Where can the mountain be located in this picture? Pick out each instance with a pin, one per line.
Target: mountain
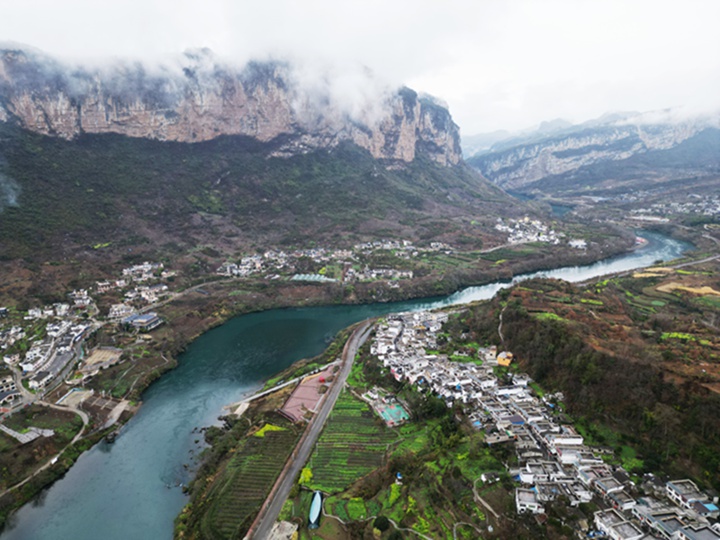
(122, 161)
(577, 158)
(203, 98)
(231, 192)
(483, 142)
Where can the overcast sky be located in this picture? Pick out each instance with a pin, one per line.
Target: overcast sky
(498, 64)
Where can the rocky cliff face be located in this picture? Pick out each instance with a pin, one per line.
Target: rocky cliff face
(517, 165)
(203, 99)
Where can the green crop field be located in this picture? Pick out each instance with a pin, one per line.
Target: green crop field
(352, 445)
(249, 476)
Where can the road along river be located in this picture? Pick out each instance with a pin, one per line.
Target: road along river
(131, 489)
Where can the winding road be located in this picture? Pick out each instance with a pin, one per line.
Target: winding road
(261, 528)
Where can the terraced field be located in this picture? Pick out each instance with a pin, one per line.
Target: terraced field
(250, 475)
(353, 444)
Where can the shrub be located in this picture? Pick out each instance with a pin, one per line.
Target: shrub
(381, 523)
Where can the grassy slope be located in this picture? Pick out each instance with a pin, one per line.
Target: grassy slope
(108, 188)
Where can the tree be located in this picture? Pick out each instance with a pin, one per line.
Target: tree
(306, 476)
(381, 523)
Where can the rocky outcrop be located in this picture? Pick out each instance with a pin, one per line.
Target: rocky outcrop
(518, 165)
(203, 99)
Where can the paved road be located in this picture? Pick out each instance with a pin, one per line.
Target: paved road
(271, 509)
(175, 295)
(701, 261)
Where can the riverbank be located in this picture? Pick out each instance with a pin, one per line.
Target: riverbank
(193, 316)
(210, 305)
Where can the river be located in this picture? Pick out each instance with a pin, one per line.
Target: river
(130, 489)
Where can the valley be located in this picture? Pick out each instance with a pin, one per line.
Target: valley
(539, 343)
(542, 432)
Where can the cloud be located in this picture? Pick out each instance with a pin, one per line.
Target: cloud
(350, 89)
(498, 64)
(322, 92)
(677, 115)
(9, 192)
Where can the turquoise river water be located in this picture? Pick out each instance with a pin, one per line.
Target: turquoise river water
(130, 489)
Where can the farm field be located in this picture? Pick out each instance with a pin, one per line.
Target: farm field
(353, 444)
(247, 480)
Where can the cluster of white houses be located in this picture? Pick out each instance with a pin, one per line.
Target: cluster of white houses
(695, 204)
(135, 298)
(370, 274)
(8, 389)
(51, 354)
(47, 358)
(138, 292)
(553, 460)
(11, 335)
(278, 260)
(524, 230)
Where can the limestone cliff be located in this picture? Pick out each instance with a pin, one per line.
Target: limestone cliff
(203, 99)
(518, 164)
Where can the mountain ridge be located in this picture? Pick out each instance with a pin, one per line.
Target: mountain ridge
(206, 99)
(521, 164)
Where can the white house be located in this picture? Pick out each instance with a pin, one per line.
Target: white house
(526, 501)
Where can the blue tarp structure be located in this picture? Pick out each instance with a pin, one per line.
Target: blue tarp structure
(315, 508)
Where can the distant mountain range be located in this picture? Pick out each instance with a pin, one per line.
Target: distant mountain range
(572, 159)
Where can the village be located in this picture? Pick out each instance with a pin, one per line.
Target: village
(46, 346)
(528, 230)
(695, 204)
(347, 260)
(344, 265)
(553, 463)
(57, 331)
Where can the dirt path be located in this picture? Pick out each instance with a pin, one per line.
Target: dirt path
(483, 501)
(52, 461)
